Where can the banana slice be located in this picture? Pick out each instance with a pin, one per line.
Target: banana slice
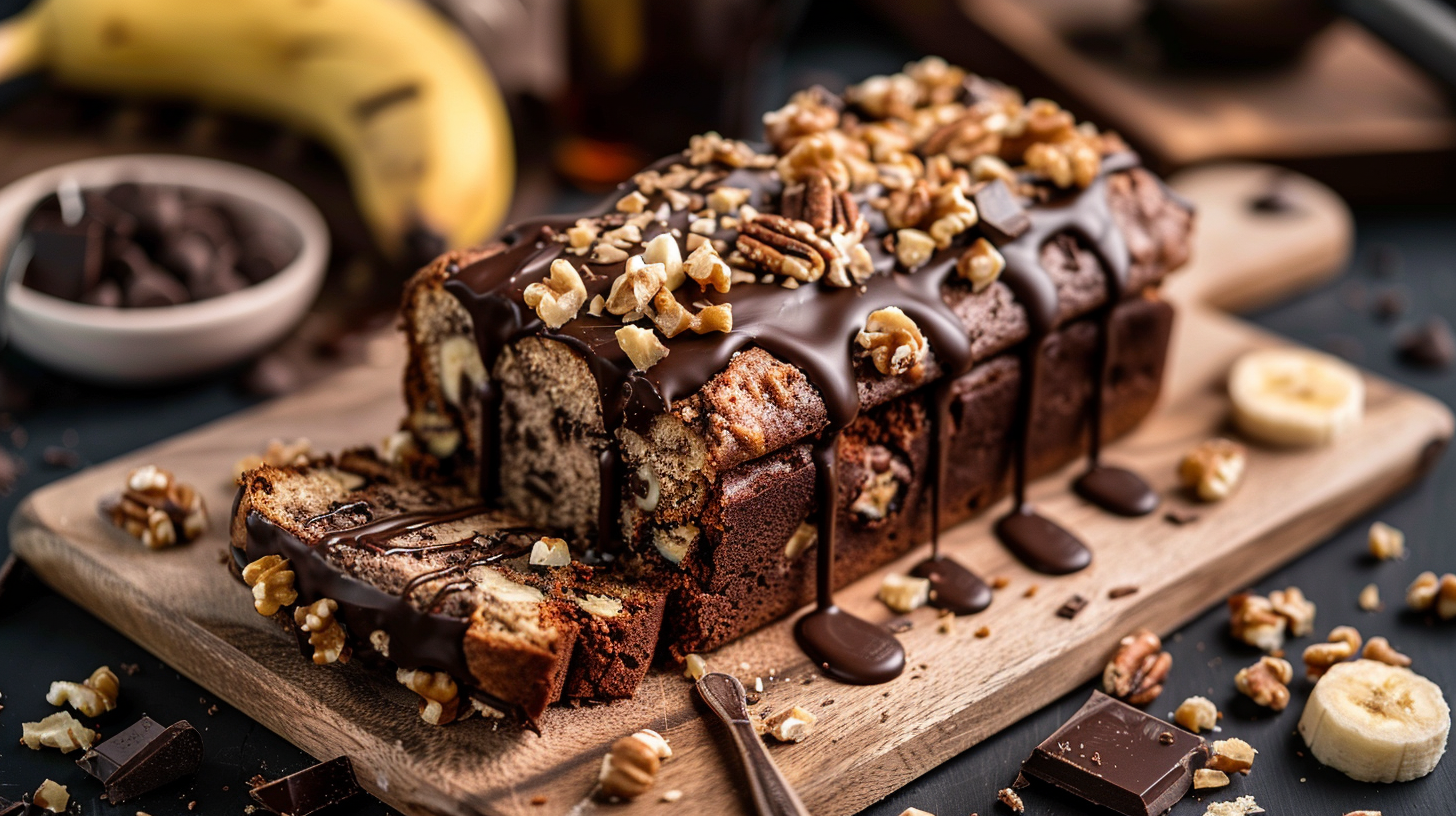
(1376, 723)
(1289, 396)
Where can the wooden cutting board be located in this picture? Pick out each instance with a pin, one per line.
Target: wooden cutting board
(183, 606)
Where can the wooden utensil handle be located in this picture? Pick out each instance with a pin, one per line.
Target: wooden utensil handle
(772, 793)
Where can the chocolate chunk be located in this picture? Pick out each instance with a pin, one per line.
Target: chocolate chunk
(310, 790)
(1154, 766)
(1074, 605)
(144, 757)
(151, 287)
(1002, 216)
(65, 259)
(1429, 346)
(1121, 592)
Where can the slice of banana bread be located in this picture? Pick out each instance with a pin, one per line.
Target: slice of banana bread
(425, 576)
(928, 257)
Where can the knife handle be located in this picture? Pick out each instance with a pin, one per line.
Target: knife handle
(772, 793)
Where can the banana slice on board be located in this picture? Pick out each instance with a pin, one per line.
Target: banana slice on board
(1295, 397)
(1375, 722)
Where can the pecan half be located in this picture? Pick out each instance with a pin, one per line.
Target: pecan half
(786, 246)
(1138, 669)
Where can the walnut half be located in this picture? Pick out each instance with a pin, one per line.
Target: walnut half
(93, 697)
(59, 730)
(439, 696)
(325, 633)
(894, 342)
(1138, 668)
(272, 583)
(1266, 682)
(630, 767)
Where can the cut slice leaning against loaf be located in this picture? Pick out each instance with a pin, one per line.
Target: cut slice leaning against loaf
(423, 576)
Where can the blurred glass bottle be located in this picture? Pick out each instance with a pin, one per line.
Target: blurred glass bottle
(648, 74)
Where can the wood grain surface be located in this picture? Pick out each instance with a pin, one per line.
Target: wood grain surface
(182, 605)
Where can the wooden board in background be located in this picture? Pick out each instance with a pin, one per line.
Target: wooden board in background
(183, 606)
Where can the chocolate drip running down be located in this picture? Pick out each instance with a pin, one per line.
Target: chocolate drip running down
(813, 328)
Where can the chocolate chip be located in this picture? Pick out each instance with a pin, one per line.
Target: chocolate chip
(65, 260)
(1121, 592)
(1431, 345)
(1002, 216)
(1072, 607)
(1180, 516)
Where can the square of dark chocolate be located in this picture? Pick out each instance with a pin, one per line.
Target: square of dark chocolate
(65, 259)
(144, 757)
(1119, 757)
(311, 790)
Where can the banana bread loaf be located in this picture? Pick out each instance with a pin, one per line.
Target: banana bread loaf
(653, 378)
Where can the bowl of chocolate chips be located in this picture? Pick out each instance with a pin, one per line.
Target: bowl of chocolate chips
(144, 268)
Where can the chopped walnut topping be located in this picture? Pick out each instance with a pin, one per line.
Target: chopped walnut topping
(642, 346)
(706, 267)
(954, 214)
(725, 200)
(710, 147)
(579, 238)
(1266, 682)
(1197, 714)
(633, 202)
(809, 111)
(325, 633)
(633, 290)
(558, 298)
(1252, 619)
(631, 766)
(913, 248)
(1386, 542)
(1378, 648)
(272, 584)
(1213, 468)
(605, 253)
(664, 250)
(895, 343)
(1296, 609)
(1137, 670)
(991, 168)
(1231, 756)
(981, 264)
(623, 237)
(839, 158)
(791, 725)
(93, 697)
(1342, 644)
(672, 318)
(59, 730)
(439, 696)
(883, 97)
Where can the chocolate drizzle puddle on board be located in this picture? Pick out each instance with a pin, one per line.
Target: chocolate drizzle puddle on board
(813, 327)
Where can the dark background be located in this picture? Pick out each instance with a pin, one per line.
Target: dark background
(45, 638)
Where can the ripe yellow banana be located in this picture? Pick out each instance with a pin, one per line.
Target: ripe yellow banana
(390, 86)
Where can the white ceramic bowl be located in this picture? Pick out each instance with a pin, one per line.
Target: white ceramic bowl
(135, 346)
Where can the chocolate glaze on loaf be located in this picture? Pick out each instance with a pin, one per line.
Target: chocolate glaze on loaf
(778, 393)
